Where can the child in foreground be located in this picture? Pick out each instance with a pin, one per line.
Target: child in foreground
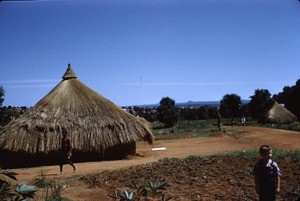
(266, 175)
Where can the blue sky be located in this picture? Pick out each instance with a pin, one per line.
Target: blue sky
(136, 52)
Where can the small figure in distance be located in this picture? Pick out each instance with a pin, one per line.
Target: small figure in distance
(243, 120)
(219, 123)
(232, 122)
(66, 151)
(266, 175)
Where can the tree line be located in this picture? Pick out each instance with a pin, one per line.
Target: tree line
(167, 113)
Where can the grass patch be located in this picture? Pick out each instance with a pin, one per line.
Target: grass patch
(248, 153)
(294, 126)
(231, 131)
(207, 128)
(191, 129)
(277, 154)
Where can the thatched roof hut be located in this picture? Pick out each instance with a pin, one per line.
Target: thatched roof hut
(278, 114)
(96, 125)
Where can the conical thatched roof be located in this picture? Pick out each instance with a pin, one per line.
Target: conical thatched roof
(279, 115)
(93, 122)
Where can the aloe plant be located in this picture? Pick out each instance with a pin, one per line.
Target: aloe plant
(22, 191)
(140, 189)
(25, 191)
(126, 195)
(9, 174)
(6, 191)
(157, 185)
(114, 195)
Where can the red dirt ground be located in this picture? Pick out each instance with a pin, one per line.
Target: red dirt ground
(226, 178)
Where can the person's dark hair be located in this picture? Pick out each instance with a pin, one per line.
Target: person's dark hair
(64, 132)
(264, 148)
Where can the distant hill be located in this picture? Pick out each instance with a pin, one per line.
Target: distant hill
(198, 103)
(203, 103)
(191, 104)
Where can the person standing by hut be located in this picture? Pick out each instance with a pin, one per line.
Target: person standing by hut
(66, 151)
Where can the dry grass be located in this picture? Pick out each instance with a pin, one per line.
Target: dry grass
(279, 115)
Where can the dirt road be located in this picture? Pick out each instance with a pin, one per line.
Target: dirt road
(250, 138)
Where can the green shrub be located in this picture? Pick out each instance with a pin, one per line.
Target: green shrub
(42, 182)
(53, 192)
(295, 126)
(19, 192)
(51, 187)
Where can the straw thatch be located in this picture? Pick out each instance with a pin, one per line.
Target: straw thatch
(94, 123)
(278, 114)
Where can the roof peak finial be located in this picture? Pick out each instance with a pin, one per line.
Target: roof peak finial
(69, 74)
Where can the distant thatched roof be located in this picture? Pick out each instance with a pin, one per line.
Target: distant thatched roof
(93, 122)
(279, 114)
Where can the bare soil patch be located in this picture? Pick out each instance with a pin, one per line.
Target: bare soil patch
(197, 178)
(227, 178)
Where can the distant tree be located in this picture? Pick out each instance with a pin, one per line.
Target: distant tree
(146, 112)
(260, 102)
(230, 105)
(203, 112)
(198, 113)
(293, 99)
(245, 110)
(283, 96)
(8, 113)
(2, 94)
(212, 112)
(189, 113)
(167, 112)
(290, 97)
